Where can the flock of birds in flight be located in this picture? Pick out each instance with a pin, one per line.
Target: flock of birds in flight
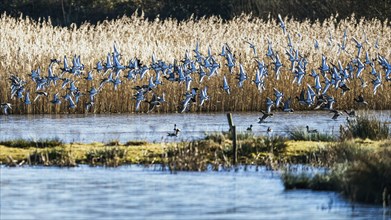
(115, 73)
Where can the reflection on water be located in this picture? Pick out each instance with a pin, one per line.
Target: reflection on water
(154, 127)
(133, 192)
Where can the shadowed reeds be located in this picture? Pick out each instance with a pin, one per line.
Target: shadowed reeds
(52, 157)
(360, 173)
(109, 156)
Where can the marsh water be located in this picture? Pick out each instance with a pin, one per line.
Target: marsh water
(154, 127)
(135, 192)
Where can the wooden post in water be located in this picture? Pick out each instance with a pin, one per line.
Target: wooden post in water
(230, 122)
(232, 129)
(234, 146)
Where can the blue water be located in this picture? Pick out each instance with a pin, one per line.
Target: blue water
(134, 192)
(154, 127)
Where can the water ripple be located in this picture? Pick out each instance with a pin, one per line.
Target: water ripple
(133, 192)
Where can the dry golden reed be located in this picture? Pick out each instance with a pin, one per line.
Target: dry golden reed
(26, 45)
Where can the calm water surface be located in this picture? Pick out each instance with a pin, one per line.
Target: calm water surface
(133, 192)
(154, 127)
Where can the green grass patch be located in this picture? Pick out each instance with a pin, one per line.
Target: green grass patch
(26, 143)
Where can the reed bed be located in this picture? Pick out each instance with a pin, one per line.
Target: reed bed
(109, 156)
(26, 143)
(353, 167)
(359, 172)
(215, 153)
(52, 157)
(364, 126)
(300, 134)
(31, 44)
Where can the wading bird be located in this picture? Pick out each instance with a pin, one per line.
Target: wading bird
(311, 131)
(175, 133)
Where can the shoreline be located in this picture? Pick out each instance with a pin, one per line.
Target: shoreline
(349, 164)
(144, 153)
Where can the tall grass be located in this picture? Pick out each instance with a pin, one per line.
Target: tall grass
(31, 44)
(364, 126)
(52, 157)
(361, 173)
(215, 152)
(197, 156)
(338, 152)
(298, 133)
(109, 156)
(369, 178)
(25, 143)
(317, 181)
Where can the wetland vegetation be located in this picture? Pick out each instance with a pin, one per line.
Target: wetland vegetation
(347, 55)
(308, 64)
(351, 163)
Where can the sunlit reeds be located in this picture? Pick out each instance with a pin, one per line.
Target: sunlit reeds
(28, 45)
